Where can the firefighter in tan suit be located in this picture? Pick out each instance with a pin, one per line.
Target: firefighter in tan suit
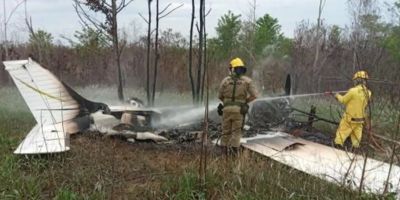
(235, 91)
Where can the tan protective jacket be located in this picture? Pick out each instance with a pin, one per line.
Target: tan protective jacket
(244, 90)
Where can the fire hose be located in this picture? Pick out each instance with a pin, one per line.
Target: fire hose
(337, 123)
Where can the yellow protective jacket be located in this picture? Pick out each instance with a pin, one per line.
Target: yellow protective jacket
(355, 100)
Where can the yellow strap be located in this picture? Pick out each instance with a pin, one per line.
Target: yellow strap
(38, 91)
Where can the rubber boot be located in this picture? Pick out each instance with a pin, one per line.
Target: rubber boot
(338, 146)
(220, 150)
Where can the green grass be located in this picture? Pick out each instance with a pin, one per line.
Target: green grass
(326, 108)
(252, 177)
(103, 168)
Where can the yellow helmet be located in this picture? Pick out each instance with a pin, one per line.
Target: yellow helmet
(237, 62)
(360, 74)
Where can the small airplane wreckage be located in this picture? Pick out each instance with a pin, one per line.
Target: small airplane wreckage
(59, 112)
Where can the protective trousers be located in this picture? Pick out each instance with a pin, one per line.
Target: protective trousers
(348, 128)
(232, 124)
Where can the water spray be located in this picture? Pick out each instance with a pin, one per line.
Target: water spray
(295, 96)
(189, 114)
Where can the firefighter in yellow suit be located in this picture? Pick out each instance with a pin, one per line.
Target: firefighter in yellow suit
(353, 119)
(236, 91)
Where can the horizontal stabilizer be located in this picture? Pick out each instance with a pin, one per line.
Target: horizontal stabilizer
(44, 139)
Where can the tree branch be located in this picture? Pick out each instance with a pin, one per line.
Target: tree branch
(141, 16)
(123, 4)
(208, 12)
(171, 11)
(12, 12)
(80, 11)
(107, 4)
(85, 18)
(30, 27)
(166, 7)
(197, 27)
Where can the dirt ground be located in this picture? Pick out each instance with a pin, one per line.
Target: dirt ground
(144, 170)
(124, 169)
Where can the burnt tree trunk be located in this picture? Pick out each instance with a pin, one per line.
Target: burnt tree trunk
(116, 47)
(204, 50)
(148, 54)
(155, 54)
(191, 53)
(315, 69)
(200, 55)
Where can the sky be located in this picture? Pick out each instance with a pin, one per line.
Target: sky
(59, 18)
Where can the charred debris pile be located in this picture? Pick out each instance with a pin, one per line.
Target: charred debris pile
(264, 117)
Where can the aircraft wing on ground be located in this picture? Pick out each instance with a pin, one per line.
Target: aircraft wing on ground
(334, 165)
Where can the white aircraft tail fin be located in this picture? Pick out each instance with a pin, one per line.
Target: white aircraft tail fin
(57, 109)
(46, 97)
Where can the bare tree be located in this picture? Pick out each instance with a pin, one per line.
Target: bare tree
(316, 69)
(110, 9)
(159, 15)
(204, 149)
(156, 56)
(205, 58)
(367, 30)
(191, 52)
(148, 21)
(249, 29)
(200, 63)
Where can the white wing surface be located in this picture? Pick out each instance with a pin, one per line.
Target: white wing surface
(336, 166)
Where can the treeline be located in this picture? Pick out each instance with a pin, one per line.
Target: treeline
(369, 43)
(88, 60)
(320, 57)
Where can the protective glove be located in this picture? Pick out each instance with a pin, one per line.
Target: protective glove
(220, 107)
(244, 109)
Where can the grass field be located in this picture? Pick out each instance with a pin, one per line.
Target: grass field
(106, 168)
